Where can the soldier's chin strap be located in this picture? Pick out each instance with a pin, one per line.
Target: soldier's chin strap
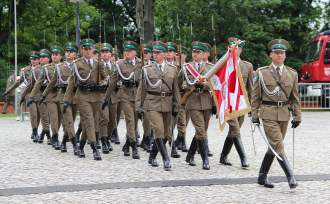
(266, 141)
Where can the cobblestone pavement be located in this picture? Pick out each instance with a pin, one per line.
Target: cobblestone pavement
(25, 164)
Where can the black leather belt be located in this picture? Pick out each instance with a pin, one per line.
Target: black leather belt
(162, 94)
(273, 103)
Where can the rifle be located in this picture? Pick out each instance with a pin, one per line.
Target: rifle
(114, 28)
(180, 45)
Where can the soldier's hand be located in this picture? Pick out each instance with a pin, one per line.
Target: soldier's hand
(29, 102)
(255, 121)
(65, 105)
(105, 104)
(295, 123)
(5, 94)
(42, 99)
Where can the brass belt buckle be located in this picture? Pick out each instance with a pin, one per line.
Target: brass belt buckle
(280, 103)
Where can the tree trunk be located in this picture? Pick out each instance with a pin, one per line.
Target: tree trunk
(145, 19)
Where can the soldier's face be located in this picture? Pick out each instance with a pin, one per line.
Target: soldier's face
(88, 52)
(70, 55)
(34, 61)
(106, 55)
(278, 57)
(130, 54)
(147, 56)
(56, 57)
(197, 55)
(170, 55)
(44, 60)
(158, 56)
(206, 56)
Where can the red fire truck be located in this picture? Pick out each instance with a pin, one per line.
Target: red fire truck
(315, 72)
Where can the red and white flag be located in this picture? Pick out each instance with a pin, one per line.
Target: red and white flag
(229, 91)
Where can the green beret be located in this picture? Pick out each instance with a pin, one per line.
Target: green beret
(130, 45)
(87, 42)
(159, 46)
(171, 46)
(44, 53)
(70, 46)
(106, 47)
(56, 49)
(34, 55)
(184, 50)
(198, 46)
(208, 47)
(236, 41)
(278, 44)
(147, 48)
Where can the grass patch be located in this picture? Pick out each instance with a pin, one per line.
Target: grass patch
(8, 115)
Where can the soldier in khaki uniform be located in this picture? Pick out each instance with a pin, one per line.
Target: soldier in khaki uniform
(158, 95)
(127, 77)
(60, 81)
(147, 139)
(234, 135)
(199, 104)
(10, 95)
(35, 74)
(50, 99)
(90, 80)
(275, 93)
(183, 115)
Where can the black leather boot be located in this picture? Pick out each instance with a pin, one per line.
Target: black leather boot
(191, 153)
(116, 136)
(288, 171)
(209, 153)
(143, 144)
(240, 150)
(35, 136)
(225, 151)
(109, 143)
(98, 144)
(81, 152)
(150, 142)
(56, 143)
(96, 153)
(264, 169)
(77, 135)
(202, 145)
(74, 146)
(49, 141)
(184, 146)
(41, 136)
(161, 147)
(152, 156)
(174, 152)
(178, 141)
(135, 153)
(63, 144)
(126, 148)
(105, 149)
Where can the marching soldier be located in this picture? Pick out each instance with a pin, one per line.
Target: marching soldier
(234, 135)
(275, 93)
(128, 75)
(109, 111)
(199, 103)
(50, 99)
(90, 80)
(183, 115)
(147, 139)
(60, 81)
(158, 95)
(35, 74)
(10, 95)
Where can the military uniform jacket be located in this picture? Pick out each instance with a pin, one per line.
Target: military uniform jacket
(85, 75)
(110, 69)
(34, 75)
(24, 75)
(59, 80)
(158, 91)
(127, 72)
(266, 81)
(47, 72)
(247, 70)
(10, 82)
(198, 100)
